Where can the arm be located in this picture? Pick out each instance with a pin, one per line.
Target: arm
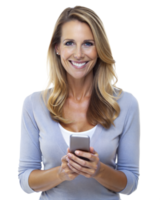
(31, 177)
(125, 178)
(110, 178)
(43, 180)
(30, 154)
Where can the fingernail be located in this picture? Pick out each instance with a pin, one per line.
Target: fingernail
(77, 152)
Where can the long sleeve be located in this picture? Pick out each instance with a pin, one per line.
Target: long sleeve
(128, 150)
(40, 135)
(30, 154)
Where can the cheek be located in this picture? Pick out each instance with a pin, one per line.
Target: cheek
(65, 53)
(64, 62)
(92, 53)
(64, 57)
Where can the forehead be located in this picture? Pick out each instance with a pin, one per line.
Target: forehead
(76, 30)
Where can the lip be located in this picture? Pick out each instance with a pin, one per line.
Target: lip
(78, 61)
(83, 66)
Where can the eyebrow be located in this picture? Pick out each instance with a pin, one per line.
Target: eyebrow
(83, 41)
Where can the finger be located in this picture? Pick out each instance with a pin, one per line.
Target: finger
(68, 150)
(94, 159)
(81, 170)
(75, 165)
(74, 170)
(92, 150)
(88, 155)
(83, 163)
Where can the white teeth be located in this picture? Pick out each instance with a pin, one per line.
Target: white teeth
(78, 64)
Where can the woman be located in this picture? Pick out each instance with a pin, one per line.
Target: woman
(83, 100)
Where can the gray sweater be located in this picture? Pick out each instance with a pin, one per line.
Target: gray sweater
(42, 141)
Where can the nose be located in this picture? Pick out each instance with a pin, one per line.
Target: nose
(78, 54)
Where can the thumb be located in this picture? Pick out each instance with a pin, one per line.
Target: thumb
(92, 150)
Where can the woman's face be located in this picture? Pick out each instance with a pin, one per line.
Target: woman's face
(77, 49)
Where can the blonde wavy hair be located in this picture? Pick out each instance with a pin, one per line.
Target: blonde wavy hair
(103, 108)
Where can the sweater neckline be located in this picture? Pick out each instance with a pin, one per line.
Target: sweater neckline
(64, 145)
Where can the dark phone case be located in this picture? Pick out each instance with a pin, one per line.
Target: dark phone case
(78, 142)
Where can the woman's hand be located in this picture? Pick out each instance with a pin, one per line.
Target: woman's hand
(88, 169)
(65, 173)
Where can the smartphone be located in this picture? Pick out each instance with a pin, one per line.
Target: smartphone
(79, 142)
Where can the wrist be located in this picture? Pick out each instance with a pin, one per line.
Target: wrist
(98, 174)
(60, 175)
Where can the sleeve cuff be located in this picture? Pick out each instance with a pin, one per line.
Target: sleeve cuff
(25, 183)
(130, 182)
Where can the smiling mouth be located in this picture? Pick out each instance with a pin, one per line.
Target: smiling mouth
(78, 63)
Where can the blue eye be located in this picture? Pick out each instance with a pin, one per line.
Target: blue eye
(85, 43)
(69, 43)
(89, 43)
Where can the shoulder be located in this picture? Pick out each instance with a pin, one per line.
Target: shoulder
(33, 103)
(128, 101)
(31, 99)
(129, 97)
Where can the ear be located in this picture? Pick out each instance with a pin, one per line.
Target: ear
(57, 48)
